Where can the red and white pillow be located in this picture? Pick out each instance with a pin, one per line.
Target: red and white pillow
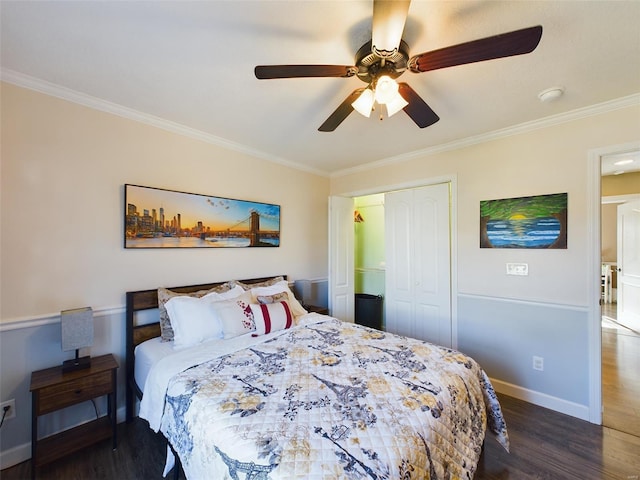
(280, 287)
(271, 317)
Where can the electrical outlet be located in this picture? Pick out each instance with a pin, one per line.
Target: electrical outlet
(11, 413)
(538, 363)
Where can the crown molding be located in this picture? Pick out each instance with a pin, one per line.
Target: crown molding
(597, 109)
(64, 93)
(95, 103)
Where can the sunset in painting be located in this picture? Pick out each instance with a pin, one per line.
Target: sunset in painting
(524, 222)
(158, 218)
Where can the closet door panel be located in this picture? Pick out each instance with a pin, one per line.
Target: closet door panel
(341, 258)
(427, 325)
(417, 245)
(432, 266)
(399, 281)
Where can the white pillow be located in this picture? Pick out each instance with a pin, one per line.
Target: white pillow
(271, 317)
(236, 291)
(193, 319)
(296, 308)
(235, 315)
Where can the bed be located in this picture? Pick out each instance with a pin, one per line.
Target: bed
(309, 396)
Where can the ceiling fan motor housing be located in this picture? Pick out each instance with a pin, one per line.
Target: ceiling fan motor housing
(371, 66)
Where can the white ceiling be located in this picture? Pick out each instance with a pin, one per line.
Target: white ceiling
(191, 63)
(620, 163)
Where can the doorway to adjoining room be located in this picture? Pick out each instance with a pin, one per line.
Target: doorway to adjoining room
(620, 341)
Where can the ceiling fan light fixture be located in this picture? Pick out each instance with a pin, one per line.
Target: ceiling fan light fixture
(396, 104)
(364, 103)
(386, 89)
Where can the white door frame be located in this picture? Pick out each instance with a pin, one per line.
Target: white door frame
(424, 182)
(594, 194)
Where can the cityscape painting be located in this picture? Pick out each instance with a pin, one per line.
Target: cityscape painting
(159, 218)
(525, 222)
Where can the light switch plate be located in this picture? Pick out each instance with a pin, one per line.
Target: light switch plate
(517, 269)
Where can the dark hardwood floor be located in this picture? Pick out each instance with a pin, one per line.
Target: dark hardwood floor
(544, 445)
(549, 445)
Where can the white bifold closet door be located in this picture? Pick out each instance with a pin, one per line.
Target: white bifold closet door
(341, 258)
(418, 263)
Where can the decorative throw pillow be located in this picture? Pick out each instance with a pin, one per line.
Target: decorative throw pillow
(296, 308)
(278, 297)
(271, 317)
(164, 295)
(235, 315)
(265, 283)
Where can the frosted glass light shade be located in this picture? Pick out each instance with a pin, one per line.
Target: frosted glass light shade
(364, 103)
(396, 104)
(386, 89)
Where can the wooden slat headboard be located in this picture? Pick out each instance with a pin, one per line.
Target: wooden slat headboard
(136, 334)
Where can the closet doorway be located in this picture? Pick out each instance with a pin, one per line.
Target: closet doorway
(402, 254)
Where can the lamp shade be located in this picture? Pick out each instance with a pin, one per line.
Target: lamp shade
(364, 103)
(77, 328)
(396, 104)
(386, 89)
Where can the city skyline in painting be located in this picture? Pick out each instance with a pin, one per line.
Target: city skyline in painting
(159, 218)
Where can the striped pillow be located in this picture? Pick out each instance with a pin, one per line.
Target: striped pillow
(271, 317)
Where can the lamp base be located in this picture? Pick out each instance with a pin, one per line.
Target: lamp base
(76, 364)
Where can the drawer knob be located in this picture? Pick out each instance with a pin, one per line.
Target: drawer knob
(78, 392)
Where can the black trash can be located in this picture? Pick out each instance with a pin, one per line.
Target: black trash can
(369, 310)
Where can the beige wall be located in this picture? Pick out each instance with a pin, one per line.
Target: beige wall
(505, 321)
(63, 171)
(546, 160)
(609, 228)
(625, 184)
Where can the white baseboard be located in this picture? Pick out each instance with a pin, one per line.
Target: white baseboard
(15, 455)
(542, 399)
(22, 453)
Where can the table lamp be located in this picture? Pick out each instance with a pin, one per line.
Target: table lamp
(77, 333)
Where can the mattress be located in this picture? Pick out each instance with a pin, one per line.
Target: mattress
(147, 355)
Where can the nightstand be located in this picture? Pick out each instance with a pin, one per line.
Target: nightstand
(316, 309)
(52, 390)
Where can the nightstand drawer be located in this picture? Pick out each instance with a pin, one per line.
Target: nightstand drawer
(68, 393)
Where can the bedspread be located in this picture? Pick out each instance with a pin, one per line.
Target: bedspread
(332, 400)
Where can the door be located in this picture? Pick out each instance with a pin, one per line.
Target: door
(341, 258)
(418, 252)
(629, 264)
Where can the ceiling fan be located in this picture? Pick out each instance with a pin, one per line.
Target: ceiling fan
(383, 59)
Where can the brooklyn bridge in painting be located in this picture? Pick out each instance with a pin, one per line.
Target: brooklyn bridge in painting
(156, 218)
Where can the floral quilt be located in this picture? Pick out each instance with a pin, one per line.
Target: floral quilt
(332, 400)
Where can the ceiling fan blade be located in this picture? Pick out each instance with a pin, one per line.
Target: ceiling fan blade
(505, 45)
(264, 72)
(418, 110)
(342, 112)
(389, 18)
